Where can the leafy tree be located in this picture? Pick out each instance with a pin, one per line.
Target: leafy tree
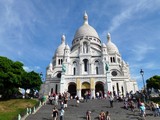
(10, 76)
(32, 81)
(13, 76)
(154, 82)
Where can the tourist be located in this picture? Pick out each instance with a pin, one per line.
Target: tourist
(86, 96)
(54, 113)
(156, 109)
(77, 100)
(97, 95)
(108, 116)
(111, 101)
(102, 115)
(142, 110)
(62, 114)
(56, 99)
(44, 100)
(88, 115)
(59, 98)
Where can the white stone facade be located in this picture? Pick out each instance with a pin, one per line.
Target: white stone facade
(88, 65)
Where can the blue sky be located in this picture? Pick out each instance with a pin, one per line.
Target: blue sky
(31, 30)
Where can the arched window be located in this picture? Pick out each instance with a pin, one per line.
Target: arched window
(51, 90)
(56, 89)
(85, 65)
(74, 71)
(113, 88)
(97, 70)
(74, 67)
(117, 88)
(122, 89)
(59, 61)
(114, 59)
(97, 67)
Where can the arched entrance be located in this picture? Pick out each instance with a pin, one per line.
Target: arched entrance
(72, 89)
(85, 87)
(99, 88)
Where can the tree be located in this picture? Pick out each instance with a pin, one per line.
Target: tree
(10, 76)
(153, 82)
(13, 76)
(32, 81)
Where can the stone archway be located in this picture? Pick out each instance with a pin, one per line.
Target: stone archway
(99, 87)
(85, 87)
(72, 89)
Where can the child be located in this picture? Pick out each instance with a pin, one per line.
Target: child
(108, 116)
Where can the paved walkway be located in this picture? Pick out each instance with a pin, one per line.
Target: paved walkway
(74, 112)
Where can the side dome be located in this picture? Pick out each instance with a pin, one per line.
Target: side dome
(111, 47)
(103, 45)
(86, 29)
(60, 49)
(67, 47)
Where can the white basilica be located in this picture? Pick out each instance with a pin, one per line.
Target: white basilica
(88, 65)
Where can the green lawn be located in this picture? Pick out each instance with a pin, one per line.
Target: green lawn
(11, 108)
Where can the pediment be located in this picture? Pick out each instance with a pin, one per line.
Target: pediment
(95, 51)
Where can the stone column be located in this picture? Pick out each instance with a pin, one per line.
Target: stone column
(92, 87)
(92, 93)
(78, 88)
(62, 84)
(108, 84)
(79, 93)
(91, 68)
(80, 68)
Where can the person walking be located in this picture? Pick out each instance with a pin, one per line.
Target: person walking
(142, 110)
(108, 116)
(88, 115)
(55, 113)
(62, 113)
(77, 101)
(111, 101)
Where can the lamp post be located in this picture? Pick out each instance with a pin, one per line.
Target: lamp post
(41, 75)
(142, 73)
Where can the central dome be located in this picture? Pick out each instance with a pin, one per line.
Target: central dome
(86, 29)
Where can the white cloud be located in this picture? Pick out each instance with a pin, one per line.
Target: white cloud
(132, 11)
(31, 68)
(141, 50)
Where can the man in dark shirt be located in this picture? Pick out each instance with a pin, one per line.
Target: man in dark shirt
(55, 113)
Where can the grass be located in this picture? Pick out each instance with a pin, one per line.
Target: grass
(11, 108)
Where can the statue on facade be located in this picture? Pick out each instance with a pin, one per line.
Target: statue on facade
(85, 48)
(63, 68)
(50, 69)
(107, 67)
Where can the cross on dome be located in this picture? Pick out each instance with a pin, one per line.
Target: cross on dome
(63, 38)
(109, 37)
(85, 17)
